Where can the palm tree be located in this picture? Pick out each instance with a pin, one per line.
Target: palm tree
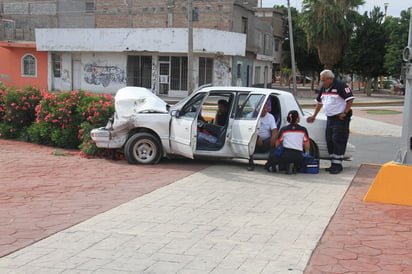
(327, 24)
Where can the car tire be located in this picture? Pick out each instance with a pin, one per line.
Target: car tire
(314, 149)
(143, 148)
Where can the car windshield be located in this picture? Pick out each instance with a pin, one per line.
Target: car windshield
(181, 103)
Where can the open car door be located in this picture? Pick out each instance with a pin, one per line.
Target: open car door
(183, 127)
(245, 125)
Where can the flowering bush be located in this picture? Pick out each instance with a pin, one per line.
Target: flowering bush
(17, 110)
(96, 111)
(60, 114)
(57, 120)
(61, 119)
(2, 92)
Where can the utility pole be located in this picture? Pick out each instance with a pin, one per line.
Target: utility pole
(406, 149)
(190, 48)
(292, 49)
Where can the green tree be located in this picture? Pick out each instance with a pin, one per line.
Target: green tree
(366, 50)
(328, 27)
(396, 31)
(306, 58)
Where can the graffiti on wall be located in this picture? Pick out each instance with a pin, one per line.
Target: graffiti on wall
(103, 75)
(65, 76)
(222, 72)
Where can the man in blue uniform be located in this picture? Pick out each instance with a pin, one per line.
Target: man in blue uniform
(336, 98)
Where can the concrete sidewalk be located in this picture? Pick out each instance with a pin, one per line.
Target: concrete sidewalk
(206, 219)
(222, 219)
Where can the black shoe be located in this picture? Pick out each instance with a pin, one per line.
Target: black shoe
(336, 169)
(329, 168)
(270, 168)
(290, 169)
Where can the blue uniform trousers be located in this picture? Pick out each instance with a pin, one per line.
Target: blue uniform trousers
(337, 134)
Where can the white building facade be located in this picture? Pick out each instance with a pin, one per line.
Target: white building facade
(103, 60)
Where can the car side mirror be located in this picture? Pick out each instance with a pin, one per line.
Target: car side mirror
(174, 113)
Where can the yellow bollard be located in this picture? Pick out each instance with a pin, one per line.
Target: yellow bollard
(392, 185)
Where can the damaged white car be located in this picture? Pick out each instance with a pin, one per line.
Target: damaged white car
(147, 128)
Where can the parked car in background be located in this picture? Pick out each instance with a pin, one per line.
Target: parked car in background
(146, 128)
(394, 85)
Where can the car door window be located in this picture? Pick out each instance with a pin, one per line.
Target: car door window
(249, 107)
(192, 107)
(214, 115)
(275, 109)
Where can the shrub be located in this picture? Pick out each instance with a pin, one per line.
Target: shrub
(96, 111)
(17, 108)
(60, 115)
(57, 121)
(2, 93)
(61, 119)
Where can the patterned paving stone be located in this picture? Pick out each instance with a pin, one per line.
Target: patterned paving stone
(365, 237)
(41, 193)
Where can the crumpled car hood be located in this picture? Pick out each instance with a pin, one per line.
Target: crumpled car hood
(132, 100)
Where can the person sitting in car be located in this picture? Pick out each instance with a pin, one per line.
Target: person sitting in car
(268, 131)
(222, 113)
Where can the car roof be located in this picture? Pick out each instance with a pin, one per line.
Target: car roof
(265, 91)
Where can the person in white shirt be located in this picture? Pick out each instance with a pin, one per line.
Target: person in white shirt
(267, 131)
(336, 98)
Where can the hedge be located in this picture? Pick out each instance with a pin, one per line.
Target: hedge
(58, 119)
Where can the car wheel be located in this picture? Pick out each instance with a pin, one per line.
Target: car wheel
(314, 150)
(143, 148)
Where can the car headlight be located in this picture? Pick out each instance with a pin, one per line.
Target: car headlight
(100, 133)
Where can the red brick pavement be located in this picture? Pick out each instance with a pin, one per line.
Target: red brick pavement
(41, 193)
(365, 237)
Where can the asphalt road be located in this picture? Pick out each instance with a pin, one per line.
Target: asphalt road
(374, 149)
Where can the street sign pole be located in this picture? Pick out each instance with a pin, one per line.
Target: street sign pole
(405, 154)
(190, 48)
(292, 50)
(392, 184)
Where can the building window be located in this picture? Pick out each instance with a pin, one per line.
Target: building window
(195, 15)
(29, 66)
(205, 71)
(239, 71)
(57, 64)
(178, 73)
(267, 44)
(139, 71)
(244, 25)
(89, 6)
(257, 75)
(277, 43)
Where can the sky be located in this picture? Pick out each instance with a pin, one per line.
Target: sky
(394, 6)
